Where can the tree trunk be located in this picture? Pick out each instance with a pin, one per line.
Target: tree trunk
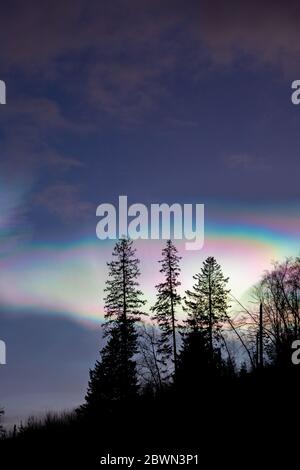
(173, 322)
(261, 350)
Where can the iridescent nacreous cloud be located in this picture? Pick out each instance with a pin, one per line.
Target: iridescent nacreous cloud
(68, 278)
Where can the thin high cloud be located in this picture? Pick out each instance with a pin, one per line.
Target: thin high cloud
(246, 162)
(65, 202)
(118, 60)
(93, 66)
(27, 126)
(46, 33)
(266, 31)
(125, 51)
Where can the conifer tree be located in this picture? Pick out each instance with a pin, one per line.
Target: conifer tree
(114, 376)
(207, 304)
(167, 300)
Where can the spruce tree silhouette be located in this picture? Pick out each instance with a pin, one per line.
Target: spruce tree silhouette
(114, 377)
(165, 306)
(206, 306)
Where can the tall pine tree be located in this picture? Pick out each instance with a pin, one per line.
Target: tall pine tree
(167, 300)
(114, 376)
(207, 304)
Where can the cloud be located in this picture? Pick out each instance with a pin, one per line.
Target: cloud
(246, 162)
(121, 64)
(265, 31)
(12, 227)
(118, 59)
(46, 33)
(27, 126)
(44, 111)
(113, 57)
(64, 201)
(58, 30)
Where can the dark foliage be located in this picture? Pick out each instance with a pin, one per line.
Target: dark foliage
(167, 301)
(114, 376)
(212, 408)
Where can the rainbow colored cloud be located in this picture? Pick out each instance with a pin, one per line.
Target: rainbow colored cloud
(68, 278)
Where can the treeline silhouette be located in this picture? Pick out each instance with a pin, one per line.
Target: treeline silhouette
(166, 381)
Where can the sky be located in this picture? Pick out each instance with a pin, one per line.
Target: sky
(162, 101)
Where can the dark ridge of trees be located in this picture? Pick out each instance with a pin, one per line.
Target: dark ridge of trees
(233, 369)
(212, 345)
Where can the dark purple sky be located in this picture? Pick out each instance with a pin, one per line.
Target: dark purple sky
(160, 100)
